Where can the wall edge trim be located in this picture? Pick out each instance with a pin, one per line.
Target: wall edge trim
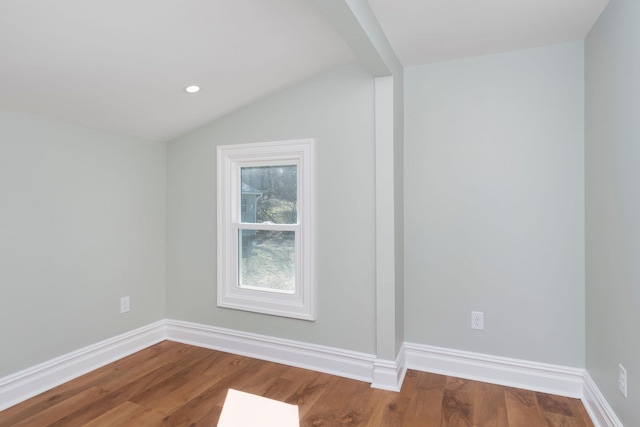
(330, 360)
(597, 406)
(382, 374)
(535, 376)
(24, 384)
(389, 374)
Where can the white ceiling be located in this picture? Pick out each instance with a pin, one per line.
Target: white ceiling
(423, 31)
(122, 65)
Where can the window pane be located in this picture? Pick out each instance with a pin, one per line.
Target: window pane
(269, 194)
(267, 260)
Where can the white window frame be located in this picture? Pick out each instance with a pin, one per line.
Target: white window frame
(230, 160)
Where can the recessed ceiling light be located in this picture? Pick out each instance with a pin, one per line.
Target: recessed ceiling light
(192, 89)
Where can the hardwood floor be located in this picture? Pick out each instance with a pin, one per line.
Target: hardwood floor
(173, 384)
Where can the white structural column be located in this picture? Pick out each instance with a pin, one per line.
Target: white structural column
(385, 219)
(359, 28)
(389, 367)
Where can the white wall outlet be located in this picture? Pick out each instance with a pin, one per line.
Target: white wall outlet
(622, 380)
(477, 320)
(124, 304)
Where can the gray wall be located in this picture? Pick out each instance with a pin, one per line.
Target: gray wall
(82, 223)
(613, 204)
(494, 204)
(335, 108)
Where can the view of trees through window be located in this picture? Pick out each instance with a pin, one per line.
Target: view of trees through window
(277, 192)
(267, 258)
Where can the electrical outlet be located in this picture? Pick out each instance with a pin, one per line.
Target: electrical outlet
(124, 304)
(477, 320)
(622, 380)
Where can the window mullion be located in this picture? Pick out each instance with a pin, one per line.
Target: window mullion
(265, 227)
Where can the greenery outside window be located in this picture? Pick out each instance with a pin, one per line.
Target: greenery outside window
(265, 208)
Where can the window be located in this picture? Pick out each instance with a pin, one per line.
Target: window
(265, 233)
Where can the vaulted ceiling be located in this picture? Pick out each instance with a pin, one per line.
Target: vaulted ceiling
(123, 65)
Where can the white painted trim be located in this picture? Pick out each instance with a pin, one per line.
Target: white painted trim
(299, 304)
(32, 381)
(383, 374)
(597, 406)
(547, 378)
(330, 360)
(385, 238)
(389, 375)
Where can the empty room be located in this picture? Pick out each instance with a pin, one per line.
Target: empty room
(320, 213)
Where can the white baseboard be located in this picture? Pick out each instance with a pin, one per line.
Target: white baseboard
(389, 374)
(383, 374)
(597, 406)
(30, 382)
(552, 379)
(330, 360)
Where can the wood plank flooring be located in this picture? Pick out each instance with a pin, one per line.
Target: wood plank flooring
(173, 384)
